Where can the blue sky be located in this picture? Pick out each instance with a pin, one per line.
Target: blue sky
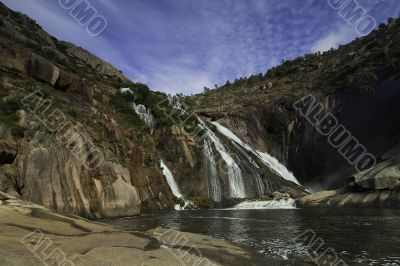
(184, 45)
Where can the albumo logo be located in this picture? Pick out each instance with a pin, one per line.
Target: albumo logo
(338, 136)
(355, 15)
(86, 15)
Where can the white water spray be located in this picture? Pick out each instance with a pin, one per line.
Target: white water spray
(141, 110)
(268, 160)
(236, 183)
(145, 115)
(170, 180)
(268, 204)
(213, 183)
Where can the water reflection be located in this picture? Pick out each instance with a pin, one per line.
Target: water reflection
(359, 236)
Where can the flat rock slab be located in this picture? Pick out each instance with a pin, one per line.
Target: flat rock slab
(33, 235)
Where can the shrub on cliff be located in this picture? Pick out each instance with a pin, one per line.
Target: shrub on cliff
(8, 115)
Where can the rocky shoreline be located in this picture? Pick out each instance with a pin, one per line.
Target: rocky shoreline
(34, 235)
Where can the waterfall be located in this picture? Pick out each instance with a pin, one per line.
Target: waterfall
(236, 183)
(268, 160)
(250, 172)
(268, 204)
(174, 187)
(170, 180)
(213, 184)
(125, 90)
(141, 110)
(145, 115)
(149, 187)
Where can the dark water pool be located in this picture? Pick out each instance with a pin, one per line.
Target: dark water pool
(358, 236)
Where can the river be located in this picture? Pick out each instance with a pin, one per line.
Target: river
(358, 236)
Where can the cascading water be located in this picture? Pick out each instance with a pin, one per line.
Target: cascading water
(174, 187)
(141, 110)
(236, 183)
(265, 158)
(250, 171)
(170, 180)
(213, 183)
(145, 115)
(125, 90)
(268, 204)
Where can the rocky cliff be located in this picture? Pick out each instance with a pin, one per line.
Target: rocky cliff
(357, 84)
(63, 144)
(79, 137)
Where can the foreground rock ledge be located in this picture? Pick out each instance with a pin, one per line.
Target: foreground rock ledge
(85, 242)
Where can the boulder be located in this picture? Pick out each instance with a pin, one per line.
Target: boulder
(385, 175)
(4, 196)
(14, 59)
(278, 195)
(342, 198)
(316, 199)
(386, 178)
(43, 70)
(67, 81)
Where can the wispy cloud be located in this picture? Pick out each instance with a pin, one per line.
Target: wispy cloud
(184, 45)
(342, 35)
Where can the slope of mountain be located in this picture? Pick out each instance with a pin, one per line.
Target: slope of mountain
(357, 83)
(79, 137)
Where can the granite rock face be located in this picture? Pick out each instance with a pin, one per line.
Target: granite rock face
(385, 175)
(378, 187)
(52, 120)
(44, 171)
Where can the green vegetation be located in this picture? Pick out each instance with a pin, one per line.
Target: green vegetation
(8, 114)
(63, 45)
(128, 116)
(172, 157)
(189, 101)
(204, 203)
(205, 101)
(364, 79)
(73, 112)
(181, 202)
